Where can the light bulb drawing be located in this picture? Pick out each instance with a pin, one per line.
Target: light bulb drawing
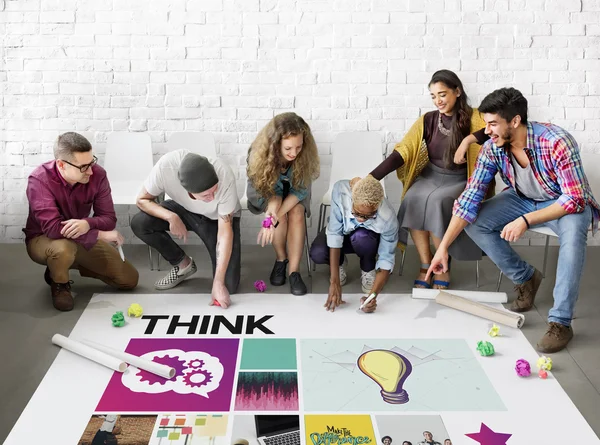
(389, 370)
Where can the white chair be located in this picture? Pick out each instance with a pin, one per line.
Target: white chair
(590, 161)
(353, 154)
(128, 162)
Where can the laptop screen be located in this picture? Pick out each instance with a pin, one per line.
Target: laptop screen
(269, 425)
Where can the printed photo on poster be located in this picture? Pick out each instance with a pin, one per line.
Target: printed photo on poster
(329, 429)
(267, 391)
(412, 430)
(266, 429)
(190, 429)
(116, 429)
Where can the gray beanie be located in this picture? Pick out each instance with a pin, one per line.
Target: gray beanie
(196, 173)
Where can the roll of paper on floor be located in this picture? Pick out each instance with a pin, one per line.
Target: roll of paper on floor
(159, 369)
(90, 353)
(367, 301)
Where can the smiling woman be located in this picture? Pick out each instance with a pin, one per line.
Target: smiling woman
(282, 163)
(425, 163)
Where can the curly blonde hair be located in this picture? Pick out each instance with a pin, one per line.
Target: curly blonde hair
(367, 191)
(265, 160)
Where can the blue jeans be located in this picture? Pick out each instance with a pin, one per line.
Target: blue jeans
(572, 231)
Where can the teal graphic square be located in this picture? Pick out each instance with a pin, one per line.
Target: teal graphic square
(268, 354)
(162, 433)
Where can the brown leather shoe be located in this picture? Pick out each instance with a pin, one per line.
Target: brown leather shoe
(526, 293)
(556, 338)
(61, 296)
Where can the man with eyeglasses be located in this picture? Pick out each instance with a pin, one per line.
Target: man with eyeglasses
(203, 199)
(60, 233)
(363, 222)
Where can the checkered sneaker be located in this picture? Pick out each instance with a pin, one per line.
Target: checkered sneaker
(176, 276)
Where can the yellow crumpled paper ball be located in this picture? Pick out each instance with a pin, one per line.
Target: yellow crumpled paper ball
(494, 331)
(544, 363)
(135, 310)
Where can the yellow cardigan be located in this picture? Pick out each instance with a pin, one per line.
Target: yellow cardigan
(413, 150)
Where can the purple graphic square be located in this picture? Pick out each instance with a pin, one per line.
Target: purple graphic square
(117, 397)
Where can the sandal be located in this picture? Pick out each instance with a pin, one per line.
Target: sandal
(442, 285)
(420, 284)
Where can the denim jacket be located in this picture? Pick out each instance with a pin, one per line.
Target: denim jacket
(342, 222)
(257, 203)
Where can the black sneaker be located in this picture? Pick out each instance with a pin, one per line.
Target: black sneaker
(278, 273)
(297, 286)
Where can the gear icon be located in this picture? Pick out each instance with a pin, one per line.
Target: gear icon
(173, 362)
(195, 364)
(195, 380)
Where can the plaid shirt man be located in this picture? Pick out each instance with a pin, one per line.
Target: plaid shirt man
(556, 163)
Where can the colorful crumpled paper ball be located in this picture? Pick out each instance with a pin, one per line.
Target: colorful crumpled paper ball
(260, 285)
(522, 367)
(544, 363)
(135, 310)
(267, 222)
(494, 331)
(118, 320)
(485, 348)
(543, 374)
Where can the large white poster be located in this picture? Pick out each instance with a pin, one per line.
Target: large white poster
(273, 368)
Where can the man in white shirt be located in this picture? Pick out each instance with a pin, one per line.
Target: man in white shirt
(203, 199)
(106, 429)
(428, 439)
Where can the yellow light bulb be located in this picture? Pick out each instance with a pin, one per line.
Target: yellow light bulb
(389, 370)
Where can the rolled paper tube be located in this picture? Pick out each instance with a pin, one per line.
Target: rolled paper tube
(90, 353)
(481, 297)
(512, 319)
(147, 365)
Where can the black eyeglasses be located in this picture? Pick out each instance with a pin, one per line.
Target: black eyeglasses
(85, 167)
(360, 215)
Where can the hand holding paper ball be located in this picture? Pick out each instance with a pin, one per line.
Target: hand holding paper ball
(485, 348)
(135, 310)
(522, 367)
(118, 320)
(260, 285)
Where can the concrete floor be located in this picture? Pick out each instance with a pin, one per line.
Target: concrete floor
(28, 320)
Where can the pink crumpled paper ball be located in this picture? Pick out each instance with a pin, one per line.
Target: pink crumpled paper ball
(267, 222)
(260, 285)
(522, 367)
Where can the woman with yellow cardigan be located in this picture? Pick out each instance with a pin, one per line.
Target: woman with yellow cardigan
(426, 164)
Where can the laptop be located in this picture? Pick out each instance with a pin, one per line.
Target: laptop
(278, 430)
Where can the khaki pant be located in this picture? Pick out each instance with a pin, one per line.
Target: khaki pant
(102, 261)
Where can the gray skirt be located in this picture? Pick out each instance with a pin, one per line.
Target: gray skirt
(428, 204)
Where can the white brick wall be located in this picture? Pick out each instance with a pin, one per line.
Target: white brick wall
(227, 66)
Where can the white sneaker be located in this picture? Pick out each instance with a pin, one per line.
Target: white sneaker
(176, 276)
(367, 279)
(343, 276)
